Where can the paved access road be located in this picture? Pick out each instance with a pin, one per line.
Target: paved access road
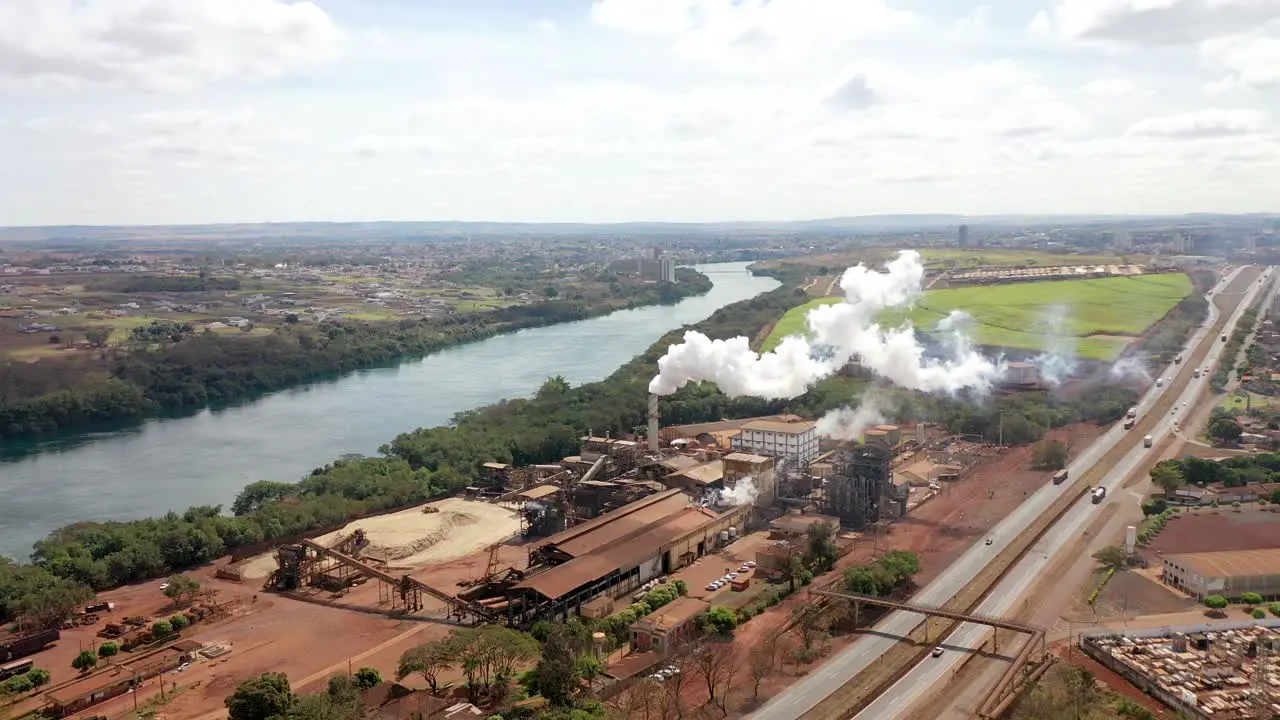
(922, 680)
(804, 695)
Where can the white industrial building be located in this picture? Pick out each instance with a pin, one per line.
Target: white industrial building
(796, 441)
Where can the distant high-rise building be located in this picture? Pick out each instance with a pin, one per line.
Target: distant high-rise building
(963, 236)
(1122, 241)
(1182, 244)
(653, 265)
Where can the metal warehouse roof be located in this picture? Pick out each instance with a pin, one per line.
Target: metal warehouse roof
(1233, 563)
(627, 552)
(538, 492)
(788, 428)
(669, 500)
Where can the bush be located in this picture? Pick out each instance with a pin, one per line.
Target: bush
(161, 628)
(86, 660)
(806, 577)
(682, 588)
(1259, 613)
(722, 620)
(367, 677)
(107, 649)
(1274, 608)
(178, 622)
(39, 677)
(1215, 602)
(1251, 598)
(16, 685)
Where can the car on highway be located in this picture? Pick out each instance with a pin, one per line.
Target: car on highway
(1159, 382)
(988, 541)
(937, 652)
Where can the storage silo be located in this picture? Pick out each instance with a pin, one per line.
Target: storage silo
(876, 436)
(893, 435)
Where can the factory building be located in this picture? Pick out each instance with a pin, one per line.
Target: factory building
(794, 441)
(759, 469)
(1230, 573)
(617, 552)
(668, 626)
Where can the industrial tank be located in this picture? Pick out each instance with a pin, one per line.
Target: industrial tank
(876, 437)
(893, 434)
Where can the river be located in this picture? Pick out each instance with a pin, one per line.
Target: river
(167, 464)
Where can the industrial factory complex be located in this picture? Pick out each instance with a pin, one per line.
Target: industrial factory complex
(626, 511)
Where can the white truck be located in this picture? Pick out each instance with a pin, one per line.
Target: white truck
(1099, 494)
(1146, 441)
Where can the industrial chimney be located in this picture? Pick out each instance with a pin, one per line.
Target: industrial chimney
(653, 424)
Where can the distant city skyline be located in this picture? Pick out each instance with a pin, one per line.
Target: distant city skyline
(226, 111)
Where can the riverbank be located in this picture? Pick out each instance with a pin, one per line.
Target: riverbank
(207, 458)
(540, 428)
(184, 372)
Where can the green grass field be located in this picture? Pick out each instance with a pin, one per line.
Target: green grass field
(994, 257)
(1103, 314)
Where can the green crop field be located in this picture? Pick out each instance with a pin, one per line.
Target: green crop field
(1103, 315)
(997, 257)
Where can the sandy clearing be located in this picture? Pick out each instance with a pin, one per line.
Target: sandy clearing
(412, 537)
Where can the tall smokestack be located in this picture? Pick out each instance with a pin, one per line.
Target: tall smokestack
(653, 423)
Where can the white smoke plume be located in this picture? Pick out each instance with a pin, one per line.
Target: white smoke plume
(848, 423)
(743, 492)
(840, 332)
(1130, 367)
(1059, 359)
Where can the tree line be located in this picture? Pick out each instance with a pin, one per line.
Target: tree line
(168, 368)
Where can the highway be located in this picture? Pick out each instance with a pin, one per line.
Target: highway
(917, 684)
(818, 684)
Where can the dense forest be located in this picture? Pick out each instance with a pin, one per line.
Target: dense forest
(163, 370)
(431, 462)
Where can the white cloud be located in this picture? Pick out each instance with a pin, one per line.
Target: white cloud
(1155, 22)
(159, 43)
(623, 110)
(1109, 87)
(752, 33)
(1251, 59)
(1201, 124)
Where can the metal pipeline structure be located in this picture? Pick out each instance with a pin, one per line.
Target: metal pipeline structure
(1012, 681)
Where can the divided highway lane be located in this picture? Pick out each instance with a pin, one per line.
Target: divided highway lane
(929, 674)
(801, 697)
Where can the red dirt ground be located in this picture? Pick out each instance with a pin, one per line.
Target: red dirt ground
(1217, 530)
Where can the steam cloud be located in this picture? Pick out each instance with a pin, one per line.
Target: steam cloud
(743, 492)
(840, 332)
(848, 423)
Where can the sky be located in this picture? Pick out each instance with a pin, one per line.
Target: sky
(198, 111)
